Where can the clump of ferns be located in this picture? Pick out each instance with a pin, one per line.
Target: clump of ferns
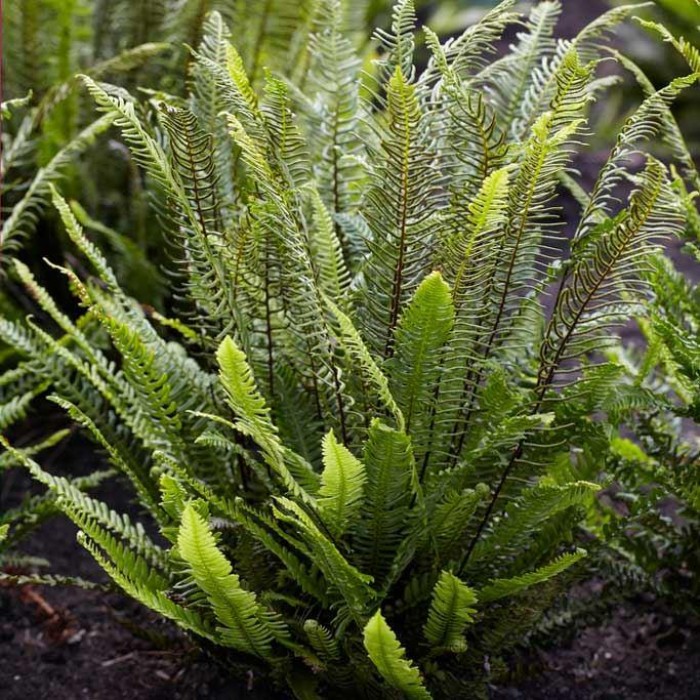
(361, 434)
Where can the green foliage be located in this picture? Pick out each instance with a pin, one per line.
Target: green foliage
(450, 612)
(381, 384)
(389, 657)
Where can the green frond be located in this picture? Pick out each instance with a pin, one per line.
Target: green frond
(154, 598)
(510, 76)
(414, 370)
(335, 121)
(690, 52)
(457, 59)
(450, 612)
(642, 126)
(98, 521)
(253, 418)
(400, 208)
(502, 588)
(609, 265)
(242, 621)
(389, 657)
(385, 520)
(342, 578)
(325, 250)
(342, 484)
(452, 517)
(50, 580)
(121, 460)
(89, 249)
(399, 42)
(523, 517)
(322, 641)
(140, 277)
(351, 341)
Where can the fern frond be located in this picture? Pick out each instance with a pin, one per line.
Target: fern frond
(342, 483)
(502, 588)
(242, 622)
(24, 216)
(450, 612)
(341, 576)
(254, 419)
(385, 517)
(389, 657)
(414, 370)
(401, 204)
(524, 516)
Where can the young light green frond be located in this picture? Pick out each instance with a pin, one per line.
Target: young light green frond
(502, 588)
(76, 234)
(451, 610)
(342, 484)
(242, 621)
(421, 333)
(467, 245)
(149, 595)
(389, 657)
(414, 370)
(690, 52)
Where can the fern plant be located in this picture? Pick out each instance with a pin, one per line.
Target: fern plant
(357, 431)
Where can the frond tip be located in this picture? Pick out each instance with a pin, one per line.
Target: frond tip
(342, 483)
(389, 657)
(242, 625)
(450, 612)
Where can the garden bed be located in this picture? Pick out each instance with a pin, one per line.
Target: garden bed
(68, 643)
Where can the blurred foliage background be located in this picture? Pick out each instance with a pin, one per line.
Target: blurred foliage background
(143, 45)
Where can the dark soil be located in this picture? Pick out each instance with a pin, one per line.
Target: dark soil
(69, 643)
(63, 644)
(641, 653)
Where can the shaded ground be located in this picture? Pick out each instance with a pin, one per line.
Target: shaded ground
(70, 643)
(65, 644)
(641, 653)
